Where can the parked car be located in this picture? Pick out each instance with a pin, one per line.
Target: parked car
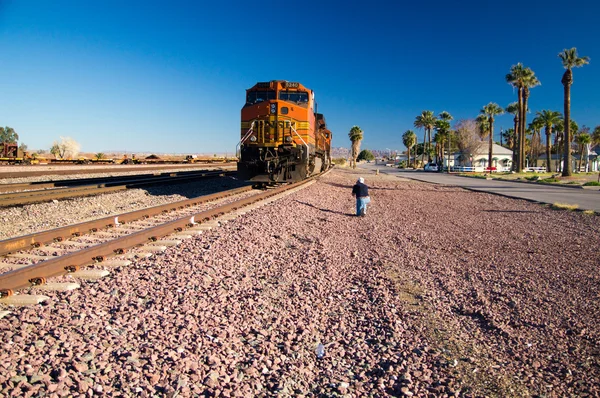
(431, 167)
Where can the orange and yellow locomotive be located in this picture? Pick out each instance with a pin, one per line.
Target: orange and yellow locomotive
(283, 138)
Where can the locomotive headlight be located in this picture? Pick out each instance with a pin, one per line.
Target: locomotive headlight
(288, 138)
(253, 138)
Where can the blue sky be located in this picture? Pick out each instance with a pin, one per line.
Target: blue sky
(170, 76)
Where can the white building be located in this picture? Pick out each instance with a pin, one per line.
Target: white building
(478, 159)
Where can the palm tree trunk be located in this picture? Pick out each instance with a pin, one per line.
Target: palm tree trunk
(548, 155)
(580, 158)
(428, 145)
(523, 130)
(424, 142)
(567, 80)
(515, 144)
(518, 137)
(490, 143)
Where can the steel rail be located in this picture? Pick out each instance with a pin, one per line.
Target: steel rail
(59, 234)
(11, 187)
(37, 273)
(37, 196)
(89, 170)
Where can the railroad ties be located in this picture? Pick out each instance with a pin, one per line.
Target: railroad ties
(119, 244)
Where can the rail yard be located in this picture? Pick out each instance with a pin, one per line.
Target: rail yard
(438, 292)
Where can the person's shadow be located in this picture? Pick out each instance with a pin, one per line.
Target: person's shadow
(326, 210)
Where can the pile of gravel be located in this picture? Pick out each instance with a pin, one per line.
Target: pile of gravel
(437, 292)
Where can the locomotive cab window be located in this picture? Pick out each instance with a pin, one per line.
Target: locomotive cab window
(298, 97)
(254, 97)
(284, 110)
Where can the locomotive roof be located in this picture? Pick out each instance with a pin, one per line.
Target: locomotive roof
(279, 84)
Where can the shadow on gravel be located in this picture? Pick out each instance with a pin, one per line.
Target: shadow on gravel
(197, 188)
(326, 210)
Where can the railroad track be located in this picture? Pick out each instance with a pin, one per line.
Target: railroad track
(107, 242)
(94, 186)
(91, 169)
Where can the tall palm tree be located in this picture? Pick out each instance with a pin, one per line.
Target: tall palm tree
(529, 81)
(515, 79)
(596, 136)
(409, 139)
(425, 121)
(521, 77)
(513, 109)
(490, 110)
(549, 119)
(356, 136)
(570, 60)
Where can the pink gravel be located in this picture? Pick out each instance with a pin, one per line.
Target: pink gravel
(437, 292)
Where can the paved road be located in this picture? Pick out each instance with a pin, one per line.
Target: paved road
(586, 199)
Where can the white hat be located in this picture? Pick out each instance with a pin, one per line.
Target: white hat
(361, 180)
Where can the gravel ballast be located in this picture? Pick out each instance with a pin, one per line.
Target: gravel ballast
(437, 292)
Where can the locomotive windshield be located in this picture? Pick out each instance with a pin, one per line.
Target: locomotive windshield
(298, 97)
(253, 97)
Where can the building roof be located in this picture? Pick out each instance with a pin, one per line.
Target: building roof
(482, 149)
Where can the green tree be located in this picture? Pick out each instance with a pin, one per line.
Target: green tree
(529, 82)
(490, 110)
(409, 139)
(521, 77)
(483, 126)
(426, 121)
(513, 109)
(99, 156)
(356, 136)
(365, 154)
(443, 128)
(8, 135)
(570, 60)
(596, 136)
(583, 139)
(549, 119)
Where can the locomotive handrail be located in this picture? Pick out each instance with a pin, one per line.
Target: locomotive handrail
(304, 142)
(244, 138)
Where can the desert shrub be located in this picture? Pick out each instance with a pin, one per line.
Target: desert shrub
(339, 161)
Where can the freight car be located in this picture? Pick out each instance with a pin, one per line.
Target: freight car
(283, 138)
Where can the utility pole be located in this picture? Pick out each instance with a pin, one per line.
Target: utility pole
(501, 132)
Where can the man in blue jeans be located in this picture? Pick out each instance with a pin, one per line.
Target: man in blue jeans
(361, 191)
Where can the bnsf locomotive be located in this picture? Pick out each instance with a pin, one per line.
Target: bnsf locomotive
(283, 138)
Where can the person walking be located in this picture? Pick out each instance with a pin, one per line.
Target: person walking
(361, 191)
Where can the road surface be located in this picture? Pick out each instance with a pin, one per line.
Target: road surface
(584, 198)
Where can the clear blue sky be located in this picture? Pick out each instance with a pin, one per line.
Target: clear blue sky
(171, 76)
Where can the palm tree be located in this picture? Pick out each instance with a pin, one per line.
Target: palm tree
(513, 109)
(570, 60)
(490, 110)
(529, 81)
(446, 117)
(515, 79)
(536, 127)
(521, 77)
(356, 135)
(483, 126)
(583, 139)
(425, 121)
(409, 139)
(549, 119)
(509, 139)
(596, 136)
